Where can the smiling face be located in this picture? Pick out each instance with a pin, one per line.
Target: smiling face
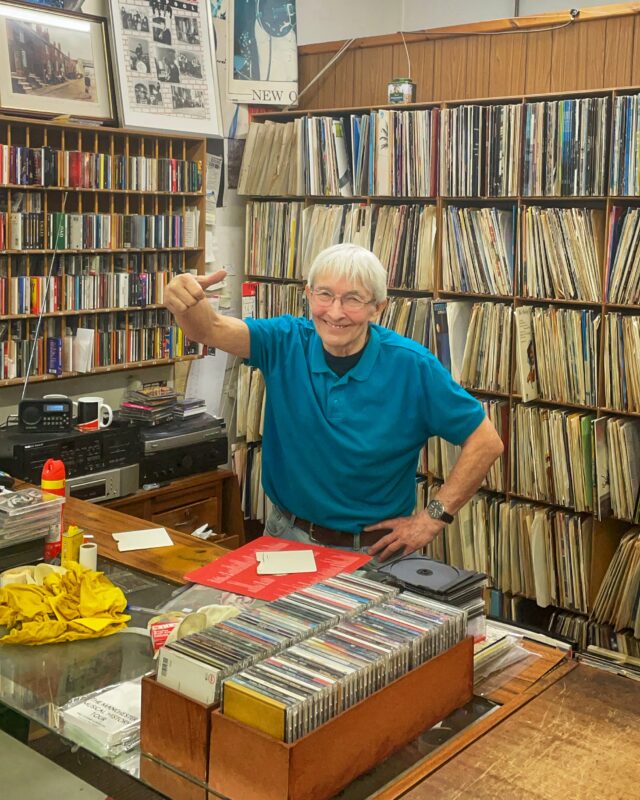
(343, 330)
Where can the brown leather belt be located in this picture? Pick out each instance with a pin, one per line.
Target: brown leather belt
(333, 538)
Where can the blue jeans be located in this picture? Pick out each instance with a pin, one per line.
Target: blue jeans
(281, 526)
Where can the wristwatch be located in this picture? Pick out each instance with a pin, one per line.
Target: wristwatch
(435, 510)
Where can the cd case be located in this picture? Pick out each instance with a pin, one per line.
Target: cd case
(424, 575)
(26, 501)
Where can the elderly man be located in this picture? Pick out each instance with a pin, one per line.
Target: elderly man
(349, 406)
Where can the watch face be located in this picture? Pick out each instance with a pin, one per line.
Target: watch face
(435, 509)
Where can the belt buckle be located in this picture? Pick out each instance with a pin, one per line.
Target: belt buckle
(310, 532)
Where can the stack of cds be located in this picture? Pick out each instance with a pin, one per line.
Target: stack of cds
(290, 694)
(151, 405)
(259, 632)
(26, 516)
(334, 599)
(189, 407)
(462, 588)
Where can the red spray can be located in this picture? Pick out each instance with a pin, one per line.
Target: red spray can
(53, 481)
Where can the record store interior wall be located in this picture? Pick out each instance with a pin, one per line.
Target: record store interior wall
(418, 14)
(601, 49)
(329, 20)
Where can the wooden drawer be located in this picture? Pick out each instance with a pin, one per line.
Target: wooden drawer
(170, 498)
(136, 506)
(224, 540)
(187, 518)
(218, 485)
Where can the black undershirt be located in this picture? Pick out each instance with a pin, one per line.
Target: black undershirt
(342, 364)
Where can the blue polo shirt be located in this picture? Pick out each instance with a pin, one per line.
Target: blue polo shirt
(342, 452)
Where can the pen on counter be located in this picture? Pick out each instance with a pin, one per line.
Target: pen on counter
(142, 609)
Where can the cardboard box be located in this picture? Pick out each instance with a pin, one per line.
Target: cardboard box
(322, 763)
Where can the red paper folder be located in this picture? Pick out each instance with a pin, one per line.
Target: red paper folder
(237, 571)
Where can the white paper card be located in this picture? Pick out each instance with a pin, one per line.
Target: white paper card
(206, 380)
(142, 540)
(82, 350)
(285, 563)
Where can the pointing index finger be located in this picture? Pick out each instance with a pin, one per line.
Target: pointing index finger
(206, 281)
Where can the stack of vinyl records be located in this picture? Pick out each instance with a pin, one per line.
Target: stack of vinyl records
(616, 610)
(612, 661)
(447, 584)
(152, 405)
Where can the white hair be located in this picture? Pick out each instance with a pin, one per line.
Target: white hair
(354, 263)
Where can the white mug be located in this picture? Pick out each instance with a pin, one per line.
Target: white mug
(93, 413)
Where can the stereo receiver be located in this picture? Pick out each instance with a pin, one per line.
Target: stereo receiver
(23, 454)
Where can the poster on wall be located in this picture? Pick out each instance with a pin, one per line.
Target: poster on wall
(235, 116)
(165, 60)
(263, 52)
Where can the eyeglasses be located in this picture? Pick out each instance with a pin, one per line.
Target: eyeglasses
(349, 302)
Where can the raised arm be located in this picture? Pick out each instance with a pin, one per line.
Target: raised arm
(185, 298)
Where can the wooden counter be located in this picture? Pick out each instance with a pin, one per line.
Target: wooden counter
(578, 739)
(187, 552)
(531, 745)
(170, 563)
(533, 680)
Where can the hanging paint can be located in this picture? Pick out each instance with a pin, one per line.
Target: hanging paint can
(401, 90)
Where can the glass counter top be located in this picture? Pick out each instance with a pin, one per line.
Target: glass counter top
(38, 681)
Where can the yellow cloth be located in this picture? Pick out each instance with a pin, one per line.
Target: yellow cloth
(79, 604)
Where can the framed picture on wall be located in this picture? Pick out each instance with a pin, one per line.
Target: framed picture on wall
(164, 59)
(54, 62)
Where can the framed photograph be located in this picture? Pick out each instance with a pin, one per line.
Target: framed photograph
(262, 63)
(165, 58)
(53, 62)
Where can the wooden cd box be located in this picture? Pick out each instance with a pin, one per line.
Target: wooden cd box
(246, 764)
(175, 728)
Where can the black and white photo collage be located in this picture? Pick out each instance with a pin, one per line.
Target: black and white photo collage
(165, 56)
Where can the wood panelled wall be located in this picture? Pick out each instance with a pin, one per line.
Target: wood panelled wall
(599, 50)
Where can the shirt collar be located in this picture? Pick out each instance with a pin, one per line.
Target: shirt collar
(362, 369)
